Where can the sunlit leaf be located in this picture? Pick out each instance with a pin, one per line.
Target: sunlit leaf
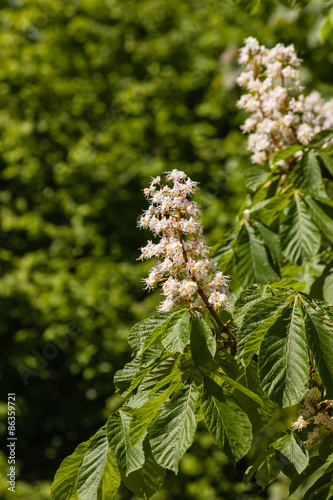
(173, 430)
(283, 357)
(300, 237)
(95, 463)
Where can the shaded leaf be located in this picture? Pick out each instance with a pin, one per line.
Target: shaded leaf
(291, 455)
(256, 323)
(314, 464)
(203, 343)
(321, 210)
(223, 251)
(321, 488)
(259, 414)
(271, 240)
(319, 332)
(267, 472)
(326, 448)
(250, 394)
(320, 136)
(327, 160)
(221, 411)
(145, 482)
(283, 154)
(250, 471)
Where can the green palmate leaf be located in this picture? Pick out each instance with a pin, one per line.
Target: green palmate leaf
(223, 252)
(145, 482)
(326, 448)
(176, 333)
(131, 375)
(307, 174)
(326, 27)
(314, 464)
(283, 154)
(321, 488)
(319, 332)
(287, 284)
(300, 237)
(258, 411)
(247, 298)
(291, 455)
(267, 472)
(283, 357)
(329, 464)
(266, 211)
(255, 175)
(203, 343)
(271, 240)
(252, 263)
(123, 378)
(328, 287)
(244, 390)
(143, 416)
(110, 480)
(221, 413)
(64, 485)
(321, 210)
(117, 431)
(320, 136)
(173, 430)
(174, 377)
(143, 334)
(227, 363)
(255, 325)
(259, 414)
(158, 373)
(95, 463)
(327, 160)
(151, 358)
(259, 461)
(250, 471)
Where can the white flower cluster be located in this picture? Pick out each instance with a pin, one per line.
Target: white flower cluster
(316, 414)
(184, 270)
(280, 114)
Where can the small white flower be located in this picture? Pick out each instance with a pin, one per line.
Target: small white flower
(299, 424)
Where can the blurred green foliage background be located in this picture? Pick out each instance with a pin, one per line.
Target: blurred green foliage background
(95, 97)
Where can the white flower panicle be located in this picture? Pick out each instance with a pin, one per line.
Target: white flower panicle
(185, 272)
(280, 114)
(316, 414)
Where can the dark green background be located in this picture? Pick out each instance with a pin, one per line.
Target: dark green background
(95, 97)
